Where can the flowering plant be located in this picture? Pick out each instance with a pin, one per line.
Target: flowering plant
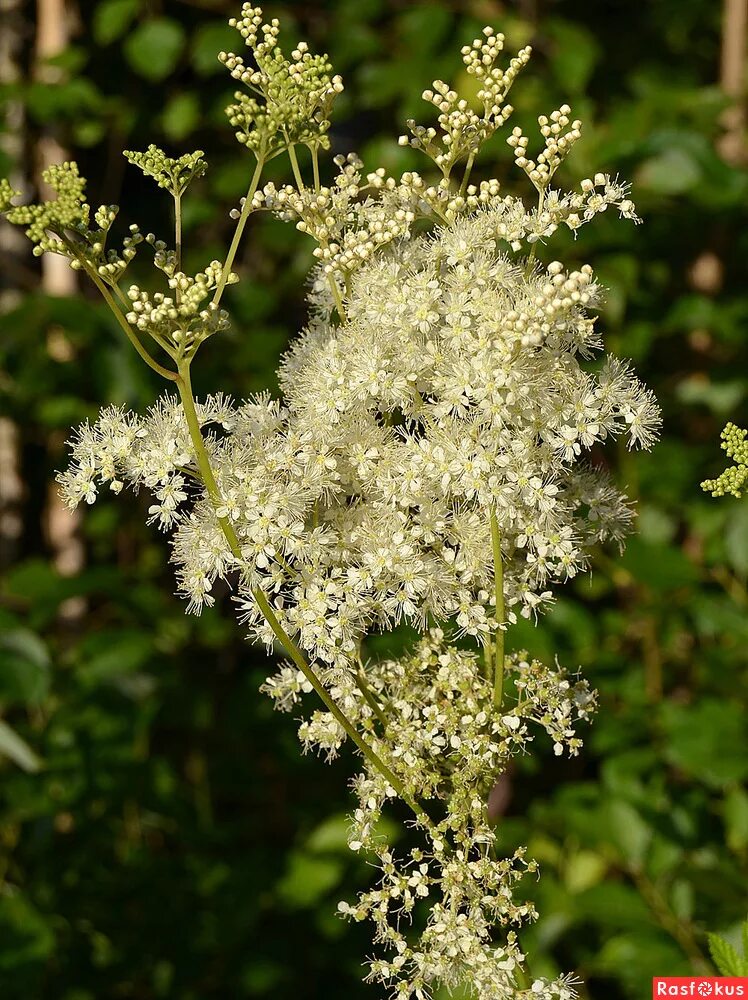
(426, 465)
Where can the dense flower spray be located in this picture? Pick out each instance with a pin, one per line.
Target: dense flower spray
(427, 464)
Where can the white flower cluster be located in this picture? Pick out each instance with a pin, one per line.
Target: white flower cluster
(457, 387)
(356, 217)
(430, 462)
(449, 744)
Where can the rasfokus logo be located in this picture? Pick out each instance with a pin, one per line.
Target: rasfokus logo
(700, 986)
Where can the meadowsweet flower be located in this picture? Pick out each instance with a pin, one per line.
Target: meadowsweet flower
(430, 461)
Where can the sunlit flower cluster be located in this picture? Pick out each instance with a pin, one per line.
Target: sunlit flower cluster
(457, 387)
(435, 458)
(449, 744)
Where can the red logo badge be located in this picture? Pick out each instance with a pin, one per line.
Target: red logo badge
(700, 986)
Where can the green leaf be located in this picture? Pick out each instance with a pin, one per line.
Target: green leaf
(154, 48)
(725, 957)
(583, 870)
(736, 537)
(24, 667)
(707, 740)
(308, 878)
(112, 18)
(629, 831)
(181, 115)
(17, 749)
(576, 53)
(113, 654)
(208, 41)
(673, 171)
(661, 567)
(25, 935)
(330, 836)
(722, 397)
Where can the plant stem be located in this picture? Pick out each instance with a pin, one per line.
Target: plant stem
(488, 667)
(184, 385)
(681, 930)
(335, 289)
(295, 167)
(203, 461)
(246, 209)
(315, 165)
(466, 176)
(178, 232)
(531, 258)
(368, 751)
(131, 336)
(370, 698)
(498, 570)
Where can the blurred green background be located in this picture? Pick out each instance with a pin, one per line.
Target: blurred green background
(174, 842)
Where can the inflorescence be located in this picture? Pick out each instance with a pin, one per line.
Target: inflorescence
(429, 463)
(735, 476)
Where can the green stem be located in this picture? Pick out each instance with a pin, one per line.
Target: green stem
(178, 232)
(286, 566)
(295, 167)
(184, 385)
(315, 165)
(531, 258)
(203, 461)
(368, 751)
(131, 336)
(335, 289)
(120, 295)
(498, 570)
(370, 698)
(118, 314)
(466, 176)
(228, 263)
(488, 666)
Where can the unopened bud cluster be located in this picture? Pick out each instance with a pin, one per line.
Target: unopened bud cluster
(290, 100)
(174, 175)
(179, 319)
(735, 476)
(463, 130)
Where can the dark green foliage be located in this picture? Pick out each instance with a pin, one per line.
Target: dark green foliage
(174, 843)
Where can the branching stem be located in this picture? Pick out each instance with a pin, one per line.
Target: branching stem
(335, 289)
(178, 229)
(468, 170)
(531, 256)
(370, 697)
(131, 335)
(314, 150)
